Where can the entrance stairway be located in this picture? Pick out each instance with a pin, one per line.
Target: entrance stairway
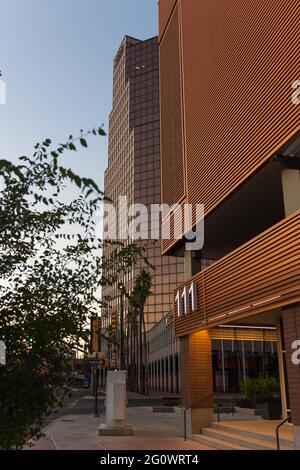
(239, 436)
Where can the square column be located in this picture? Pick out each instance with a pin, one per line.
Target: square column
(291, 190)
(281, 365)
(196, 380)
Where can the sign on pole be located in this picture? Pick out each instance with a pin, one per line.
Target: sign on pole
(94, 362)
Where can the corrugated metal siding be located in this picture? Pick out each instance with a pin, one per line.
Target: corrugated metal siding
(261, 275)
(239, 61)
(165, 9)
(171, 114)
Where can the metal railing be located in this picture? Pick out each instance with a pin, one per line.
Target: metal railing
(277, 430)
(192, 406)
(226, 405)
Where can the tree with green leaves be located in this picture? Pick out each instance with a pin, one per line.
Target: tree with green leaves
(51, 269)
(138, 298)
(132, 335)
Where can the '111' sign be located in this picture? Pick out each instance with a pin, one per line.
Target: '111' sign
(186, 300)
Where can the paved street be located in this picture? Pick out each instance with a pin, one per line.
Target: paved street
(76, 403)
(75, 427)
(82, 402)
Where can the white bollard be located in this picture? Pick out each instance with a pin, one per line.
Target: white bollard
(116, 401)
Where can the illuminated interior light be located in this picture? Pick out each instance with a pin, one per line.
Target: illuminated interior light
(249, 327)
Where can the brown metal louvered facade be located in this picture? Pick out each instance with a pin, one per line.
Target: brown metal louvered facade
(172, 167)
(165, 10)
(260, 276)
(238, 62)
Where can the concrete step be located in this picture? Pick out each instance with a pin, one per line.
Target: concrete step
(242, 441)
(215, 443)
(265, 438)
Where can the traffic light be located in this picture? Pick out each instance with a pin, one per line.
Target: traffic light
(31, 341)
(95, 340)
(102, 363)
(113, 359)
(114, 322)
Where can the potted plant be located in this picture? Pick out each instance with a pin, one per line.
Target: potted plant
(264, 392)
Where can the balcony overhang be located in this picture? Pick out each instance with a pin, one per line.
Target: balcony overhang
(260, 276)
(288, 161)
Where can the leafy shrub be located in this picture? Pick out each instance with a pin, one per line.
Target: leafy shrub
(260, 390)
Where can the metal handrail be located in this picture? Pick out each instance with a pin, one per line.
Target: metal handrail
(227, 401)
(192, 406)
(277, 430)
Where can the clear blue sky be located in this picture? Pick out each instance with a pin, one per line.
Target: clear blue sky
(56, 59)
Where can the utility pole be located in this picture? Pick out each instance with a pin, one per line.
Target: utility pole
(95, 348)
(96, 383)
(122, 355)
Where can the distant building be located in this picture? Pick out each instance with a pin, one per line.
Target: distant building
(164, 363)
(134, 170)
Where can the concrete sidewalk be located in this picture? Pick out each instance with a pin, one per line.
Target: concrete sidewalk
(152, 431)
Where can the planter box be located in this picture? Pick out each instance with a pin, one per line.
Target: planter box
(270, 410)
(247, 411)
(163, 409)
(171, 401)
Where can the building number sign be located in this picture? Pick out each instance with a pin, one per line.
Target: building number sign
(186, 300)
